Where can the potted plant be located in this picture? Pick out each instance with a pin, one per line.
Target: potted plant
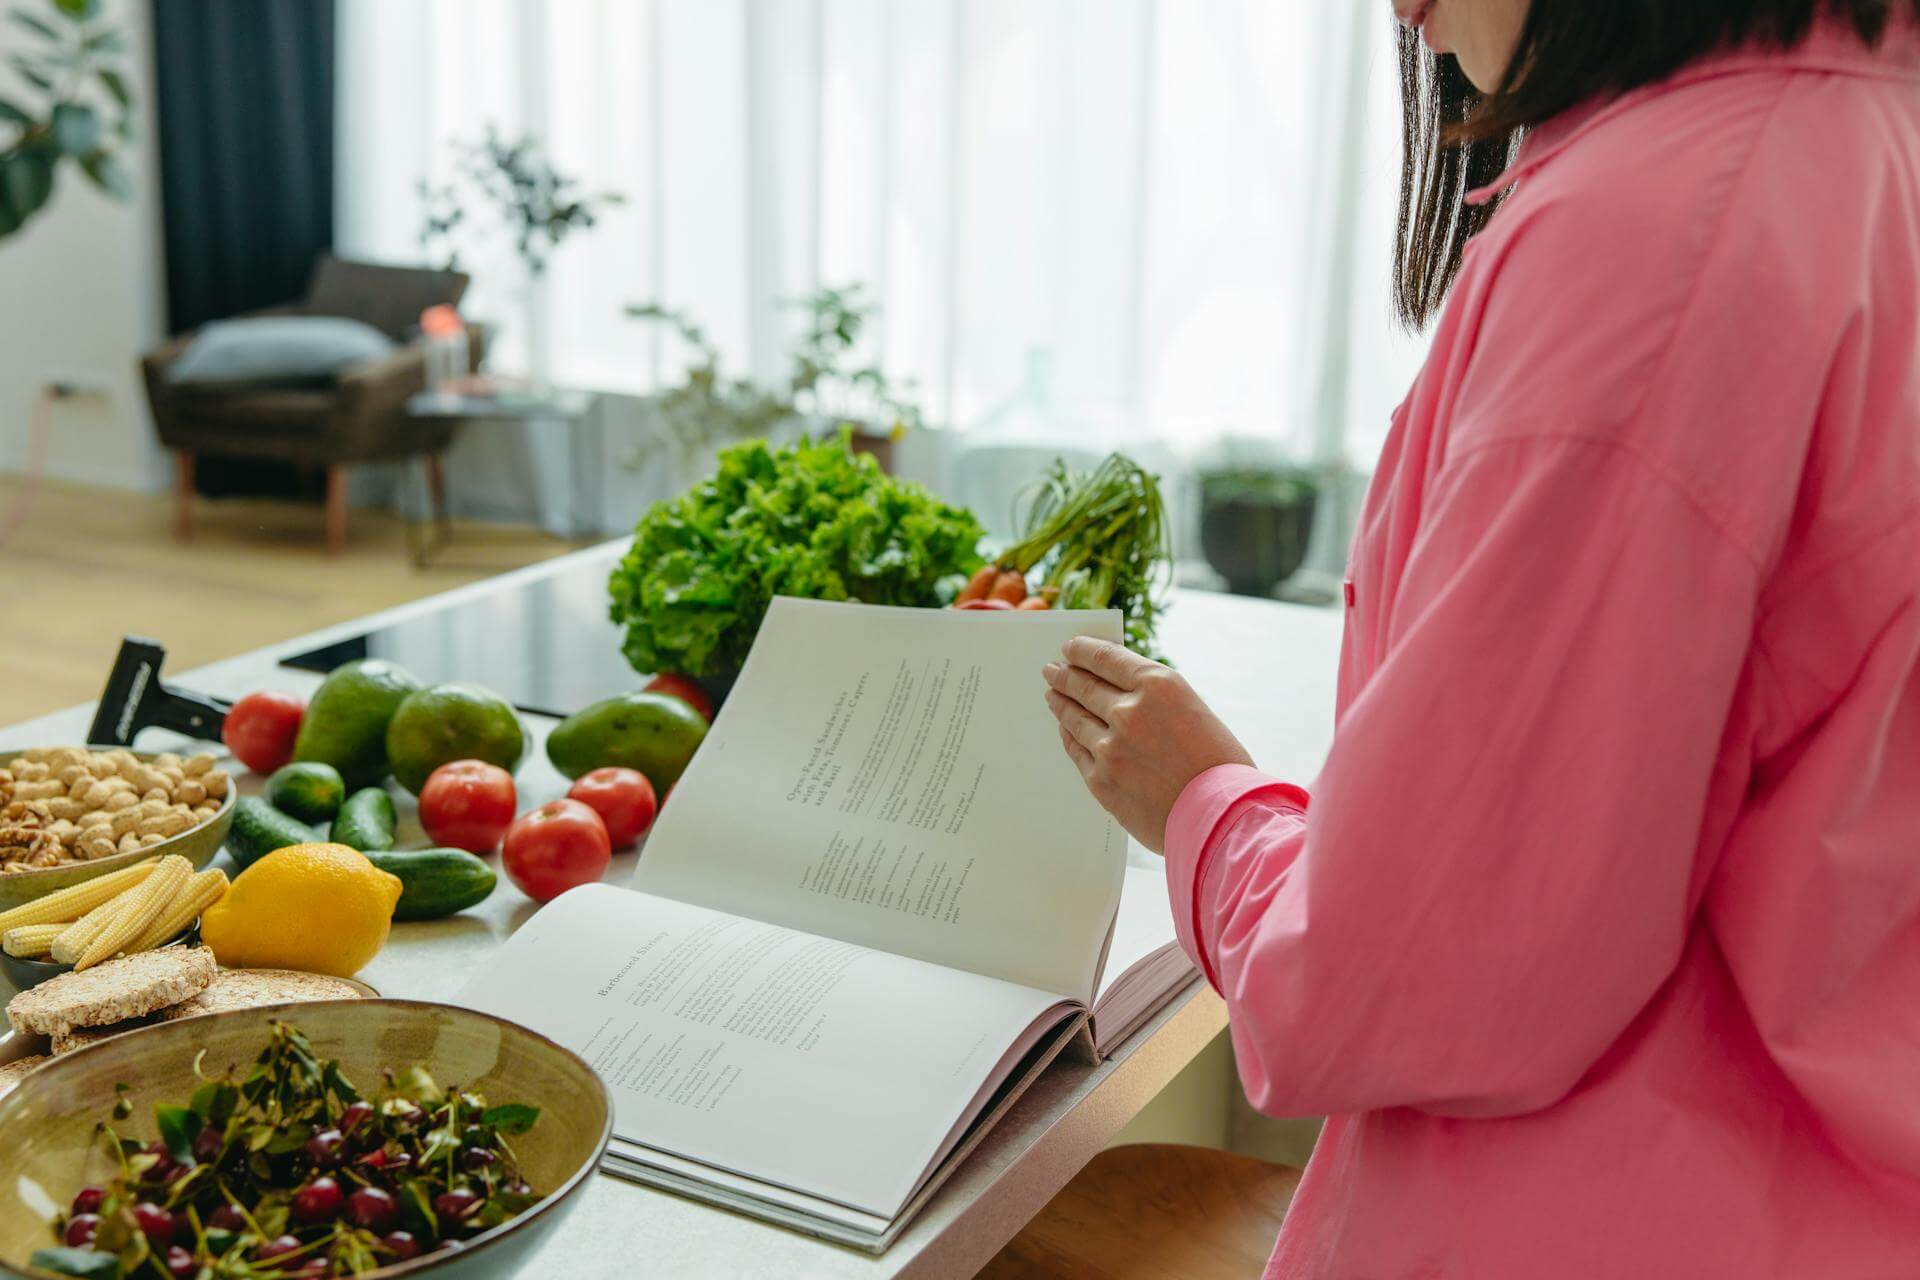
(1255, 522)
(826, 388)
(85, 115)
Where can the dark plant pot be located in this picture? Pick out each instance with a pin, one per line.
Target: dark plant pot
(1254, 542)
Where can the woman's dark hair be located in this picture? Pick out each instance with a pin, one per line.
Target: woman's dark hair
(1454, 138)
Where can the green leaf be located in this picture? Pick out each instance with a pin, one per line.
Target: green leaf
(108, 174)
(31, 73)
(26, 176)
(13, 113)
(416, 1209)
(79, 10)
(116, 85)
(76, 129)
(77, 1262)
(106, 40)
(179, 1126)
(33, 24)
(510, 1119)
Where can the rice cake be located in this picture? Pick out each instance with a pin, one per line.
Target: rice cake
(130, 987)
(260, 988)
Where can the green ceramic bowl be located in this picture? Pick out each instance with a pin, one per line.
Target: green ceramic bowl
(47, 1123)
(197, 845)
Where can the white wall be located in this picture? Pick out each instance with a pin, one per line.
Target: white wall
(81, 295)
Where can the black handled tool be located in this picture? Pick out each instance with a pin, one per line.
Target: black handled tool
(135, 699)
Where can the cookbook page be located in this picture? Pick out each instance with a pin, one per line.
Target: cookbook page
(892, 777)
(799, 1060)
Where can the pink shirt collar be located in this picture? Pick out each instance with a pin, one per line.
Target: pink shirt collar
(1830, 46)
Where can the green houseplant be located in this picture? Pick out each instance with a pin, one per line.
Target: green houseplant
(536, 206)
(79, 109)
(826, 381)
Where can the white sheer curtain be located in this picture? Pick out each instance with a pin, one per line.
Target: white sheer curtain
(1166, 219)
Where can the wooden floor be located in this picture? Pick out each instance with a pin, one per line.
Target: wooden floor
(90, 565)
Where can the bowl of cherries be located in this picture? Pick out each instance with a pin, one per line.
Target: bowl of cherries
(297, 1163)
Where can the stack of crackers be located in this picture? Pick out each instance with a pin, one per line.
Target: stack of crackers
(77, 1009)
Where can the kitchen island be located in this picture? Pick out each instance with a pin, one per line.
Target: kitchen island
(1267, 668)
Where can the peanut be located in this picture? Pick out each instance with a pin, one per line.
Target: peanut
(190, 793)
(216, 784)
(196, 765)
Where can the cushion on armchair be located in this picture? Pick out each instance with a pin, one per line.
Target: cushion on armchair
(277, 351)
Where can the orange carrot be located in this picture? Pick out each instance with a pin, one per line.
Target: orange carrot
(1011, 587)
(1035, 602)
(978, 585)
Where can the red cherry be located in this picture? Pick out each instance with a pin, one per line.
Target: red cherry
(81, 1229)
(278, 1247)
(402, 1245)
(323, 1148)
(372, 1208)
(89, 1200)
(180, 1263)
(455, 1207)
(355, 1115)
(227, 1217)
(478, 1158)
(207, 1145)
(155, 1223)
(318, 1201)
(163, 1166)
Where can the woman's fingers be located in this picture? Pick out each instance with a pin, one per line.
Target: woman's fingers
(1077, 753)
(1076, 719)
(1085, 688)
(1116, 664)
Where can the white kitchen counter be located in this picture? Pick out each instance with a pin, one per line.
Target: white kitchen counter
(1267, 668)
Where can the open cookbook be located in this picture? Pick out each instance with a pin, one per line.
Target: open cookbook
(878, 903)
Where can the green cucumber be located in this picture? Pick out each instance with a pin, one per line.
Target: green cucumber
(366, 821)
(434, 882)
(259, 828)
(307, 790)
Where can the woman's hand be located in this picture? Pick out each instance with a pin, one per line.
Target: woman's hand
(1137, 731)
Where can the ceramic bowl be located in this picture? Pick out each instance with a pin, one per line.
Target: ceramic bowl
(47, 1123)
(31, 973)
(197, 845)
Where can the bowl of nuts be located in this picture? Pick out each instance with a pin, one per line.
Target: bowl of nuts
(68, 814)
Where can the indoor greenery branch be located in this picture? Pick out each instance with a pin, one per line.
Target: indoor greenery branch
(537, 206)
(826, 381)
(76, 107)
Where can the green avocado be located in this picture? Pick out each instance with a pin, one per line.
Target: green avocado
(452, 722)
(651, 732)
(346, 720)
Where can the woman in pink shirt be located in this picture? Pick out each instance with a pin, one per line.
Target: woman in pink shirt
(1599, 938)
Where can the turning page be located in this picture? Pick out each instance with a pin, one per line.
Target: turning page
(892, 777)
(785, 1057)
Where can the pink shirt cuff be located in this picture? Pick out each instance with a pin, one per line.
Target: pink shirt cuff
(1198, 817)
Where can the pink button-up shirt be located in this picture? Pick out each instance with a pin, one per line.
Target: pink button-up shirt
(1600, 936)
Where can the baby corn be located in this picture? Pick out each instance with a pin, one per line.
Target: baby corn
(76, 900)
(138, 909)
(30, 941)
(201, 892)
(145, 900)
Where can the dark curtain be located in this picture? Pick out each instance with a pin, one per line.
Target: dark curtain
(244, 94)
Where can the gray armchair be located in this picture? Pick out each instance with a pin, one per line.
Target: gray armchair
(360, 418)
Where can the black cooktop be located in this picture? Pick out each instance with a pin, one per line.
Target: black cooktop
(543, 641)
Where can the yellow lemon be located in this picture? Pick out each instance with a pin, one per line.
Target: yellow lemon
(319, 907)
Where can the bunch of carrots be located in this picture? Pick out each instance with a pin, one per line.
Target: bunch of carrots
(1092, 540)
(997, 588)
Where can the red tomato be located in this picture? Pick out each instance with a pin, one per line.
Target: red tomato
(557, 847)
(260, 729)
(622, 797)
(684, 688)
(468, 804)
